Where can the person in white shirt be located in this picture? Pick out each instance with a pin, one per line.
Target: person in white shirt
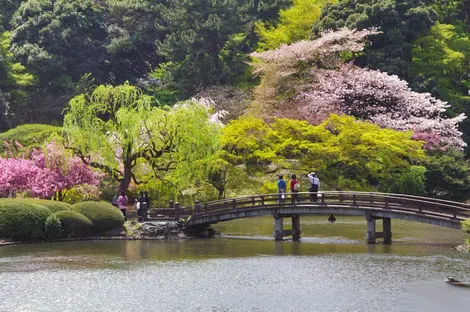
(314, 186)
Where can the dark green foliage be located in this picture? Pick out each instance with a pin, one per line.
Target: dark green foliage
(447, 175)
(59, 41)
(132, 31)
(411, 181)
(53, 227)
(400, 21)
(21, 221)
(8, 8)
(204, 40)
(74, 224)
(103, 216)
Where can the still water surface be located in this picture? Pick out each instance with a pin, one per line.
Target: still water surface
(332, 269)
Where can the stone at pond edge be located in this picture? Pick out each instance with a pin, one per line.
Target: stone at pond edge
(465, 248)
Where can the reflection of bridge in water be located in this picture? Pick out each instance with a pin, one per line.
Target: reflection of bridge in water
(373, 206)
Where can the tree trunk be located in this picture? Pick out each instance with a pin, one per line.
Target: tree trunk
(221, 190)
(126, 179)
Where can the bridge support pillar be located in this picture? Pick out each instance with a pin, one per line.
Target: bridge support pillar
(370, 236)
(387, 230)
(295, 227)
(278, 228)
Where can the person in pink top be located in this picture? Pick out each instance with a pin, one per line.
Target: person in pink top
(122, 204)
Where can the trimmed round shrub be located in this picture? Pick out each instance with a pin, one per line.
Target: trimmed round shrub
(102, 215)
(53, 205)
(22, 221)
(74, 224)
(53, 227)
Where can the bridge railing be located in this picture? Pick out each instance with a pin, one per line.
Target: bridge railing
(398, 202)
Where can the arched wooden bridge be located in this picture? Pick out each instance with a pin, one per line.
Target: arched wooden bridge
(373, 206)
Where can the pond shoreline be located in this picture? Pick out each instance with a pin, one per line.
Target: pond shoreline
(94, 238)
(160, 231)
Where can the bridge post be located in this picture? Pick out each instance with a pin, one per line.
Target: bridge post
(370, 236)
(177, 210)
(295, 227)
(278, 229)
(197, 206)
(387, 230)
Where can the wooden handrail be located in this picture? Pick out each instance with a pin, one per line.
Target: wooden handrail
(389, 201)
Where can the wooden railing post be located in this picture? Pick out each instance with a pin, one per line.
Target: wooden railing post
(252, 201)
(234, 203)
(177, 210)
(354, 200)
(206, 210)
(197, 206)
(171, 204)
(262, 200)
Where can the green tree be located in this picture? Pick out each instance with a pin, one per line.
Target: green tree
(9, 8)
(295, 24)
(118, 130)
(13, 83)
(200, 42)
(132, 31)
(59, 41)
(401, 21)
(441, 63)
(348, 154)
(447, 175)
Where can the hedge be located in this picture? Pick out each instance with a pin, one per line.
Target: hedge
(74, 224)
(102, 215)
(22, 221)
(53, 205)
(53, 227)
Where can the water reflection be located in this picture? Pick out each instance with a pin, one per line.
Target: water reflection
(331, 269)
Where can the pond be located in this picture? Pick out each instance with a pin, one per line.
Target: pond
(331, 269)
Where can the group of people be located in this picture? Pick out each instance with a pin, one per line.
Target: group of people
(142, 203)
(294, 187)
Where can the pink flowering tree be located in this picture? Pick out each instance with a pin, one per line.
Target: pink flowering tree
(310, 80)
(46, 173)
(383, 99)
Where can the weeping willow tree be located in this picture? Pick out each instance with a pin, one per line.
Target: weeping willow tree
(118, 129)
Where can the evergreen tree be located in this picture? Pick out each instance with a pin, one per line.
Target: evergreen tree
(401, 21)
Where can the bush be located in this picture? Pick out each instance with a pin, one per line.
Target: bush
(103, 216)
(53, 227)
(53, 205)
(22, 221)
(466, 226)
(74, 224)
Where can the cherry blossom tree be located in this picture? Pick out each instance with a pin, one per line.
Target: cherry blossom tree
(383, 99)
(311, 79)
(47, 172)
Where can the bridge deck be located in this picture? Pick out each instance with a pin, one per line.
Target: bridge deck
(408, 207)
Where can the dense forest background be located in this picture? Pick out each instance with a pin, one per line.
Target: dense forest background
(53, 52)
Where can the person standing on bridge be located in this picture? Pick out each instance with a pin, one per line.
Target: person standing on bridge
(314, 186)
(281, 189)
(294, 188)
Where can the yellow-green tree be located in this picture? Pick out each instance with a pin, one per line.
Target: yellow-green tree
(348, 154)
(295, 24)
(118, 129)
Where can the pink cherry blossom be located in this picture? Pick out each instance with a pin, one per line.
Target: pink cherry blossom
(45, 172)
